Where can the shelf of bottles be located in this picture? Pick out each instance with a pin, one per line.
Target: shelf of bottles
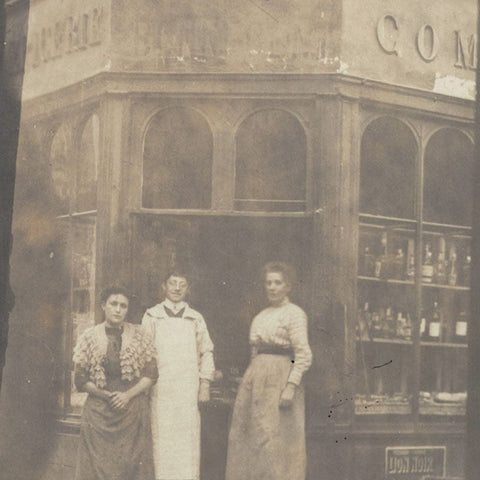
(386, 268)
(387, 318)
(444, 319)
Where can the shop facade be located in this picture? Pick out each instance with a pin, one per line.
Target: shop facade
(225, 134)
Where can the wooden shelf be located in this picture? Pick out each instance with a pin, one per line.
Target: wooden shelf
(444, 344)
(386, 280)
(390, 341)
(443, 409)
(379, 406)
(446, 287)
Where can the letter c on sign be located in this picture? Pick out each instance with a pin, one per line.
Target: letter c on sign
(387, 34)
(427, 42)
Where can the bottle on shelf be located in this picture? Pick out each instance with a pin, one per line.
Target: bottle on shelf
(364, 323)
(380, 261)
(399, 265)
(435, 324)
(441, 264)
(376, 325)
(411, 259)
(423, 326)
(427, 265)
(466, 269)
(461, 326)
(367, 263)
(452, 266)
(389, 323)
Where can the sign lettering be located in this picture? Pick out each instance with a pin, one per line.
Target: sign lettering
(466, 51)
(413, 463)
(66, 36)
(427, 42)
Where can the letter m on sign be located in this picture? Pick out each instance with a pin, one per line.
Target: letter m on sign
(466, 51)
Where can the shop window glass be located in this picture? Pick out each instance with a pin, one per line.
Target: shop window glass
(270, 167)
(87, 164)
(177, 161)
(83, 244)
(448, 171)
(387, 170)
(59, 170)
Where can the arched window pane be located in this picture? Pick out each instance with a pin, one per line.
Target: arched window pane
(59, 170)
(387, 169)
(448, 178)
(177, 161)
(270, 168)
(87, 165)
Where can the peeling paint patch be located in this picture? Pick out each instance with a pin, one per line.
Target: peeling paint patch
(454, 86)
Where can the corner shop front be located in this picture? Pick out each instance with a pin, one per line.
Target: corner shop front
(347, 152)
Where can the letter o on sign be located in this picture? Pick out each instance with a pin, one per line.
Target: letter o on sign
(427, 42)
(387, 33)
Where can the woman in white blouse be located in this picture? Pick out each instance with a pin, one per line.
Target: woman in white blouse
(267, 435)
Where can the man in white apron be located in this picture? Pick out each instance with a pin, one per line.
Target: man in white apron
(186, 367)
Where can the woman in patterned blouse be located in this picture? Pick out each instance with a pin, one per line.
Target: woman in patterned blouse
(267, 436)
(115, 364)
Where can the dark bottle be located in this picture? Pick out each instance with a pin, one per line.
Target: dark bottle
(399, 265)
(452, 264)
(367, 263)
(441, 264)
(389, 324)
(435, 324)
(380, 261)
(376, 325)
(427, 265)
(411, 259)
(466, 270)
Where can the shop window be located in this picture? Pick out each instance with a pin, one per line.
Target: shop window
(413, 290)
(270, 165)
(83, 244)
(59, 170)
(387, 170)
(87, 165)
(448, 171)
(177, 161)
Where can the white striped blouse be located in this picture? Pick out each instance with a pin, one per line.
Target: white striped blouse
(284, 326)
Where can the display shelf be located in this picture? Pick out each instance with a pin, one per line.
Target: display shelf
(444, 345)
(458, 288)
(391, 281)
(442, 409)
(390, 341)
(380, 405)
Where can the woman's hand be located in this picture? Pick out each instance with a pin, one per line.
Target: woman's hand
(119, 400)
(204, 391)
(286, 398)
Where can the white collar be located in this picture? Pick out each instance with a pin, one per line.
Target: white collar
(175, 307)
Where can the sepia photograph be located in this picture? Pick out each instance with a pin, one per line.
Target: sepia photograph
(239, 240)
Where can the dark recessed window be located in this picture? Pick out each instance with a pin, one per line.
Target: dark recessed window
(270, 167)
(387, 169)
(177, 161)
(448, 178)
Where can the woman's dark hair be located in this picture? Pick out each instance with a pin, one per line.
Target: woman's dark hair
(114, 290)
(287, 271)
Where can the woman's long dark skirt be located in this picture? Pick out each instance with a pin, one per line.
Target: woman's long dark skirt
(115, 445)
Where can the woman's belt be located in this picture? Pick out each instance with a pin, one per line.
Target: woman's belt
(275, 350)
